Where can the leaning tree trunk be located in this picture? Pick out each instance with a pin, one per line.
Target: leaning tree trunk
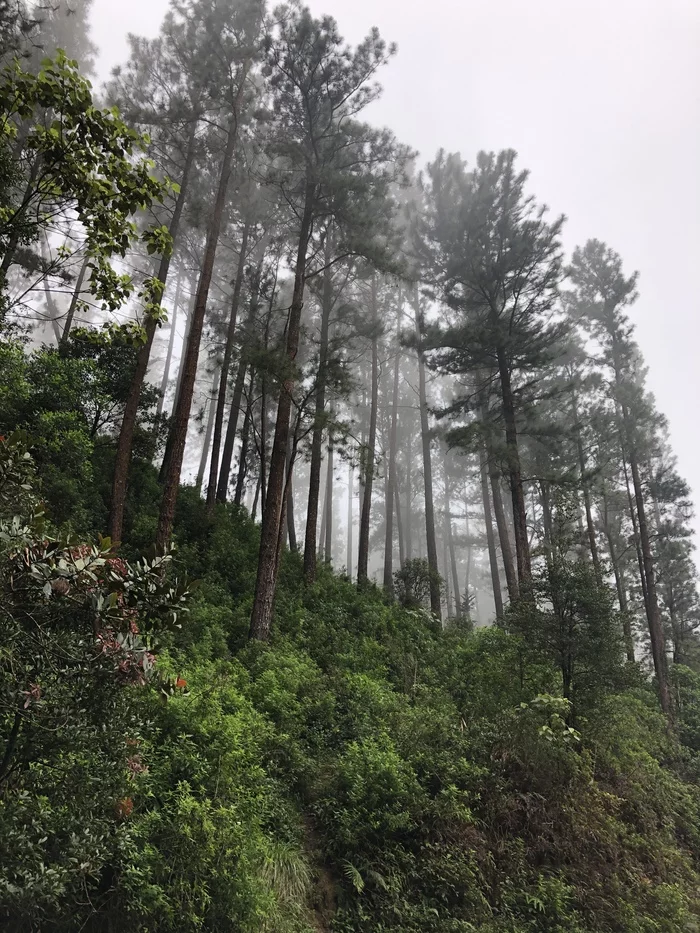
(391, 490)
(128, 425)
(266, 582)
(171, 345)
(522, 546)
(431, 546)
(75, 298)
(363, 547)
(225, 367)
(181, 417)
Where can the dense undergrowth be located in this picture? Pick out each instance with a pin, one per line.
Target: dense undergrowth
(363, 772)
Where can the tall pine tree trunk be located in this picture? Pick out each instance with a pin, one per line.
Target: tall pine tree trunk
(328, 547)
(171, 480)
(451, 545)
(363, 548)
(522, 546)
(351, 495)
(230, 439)
(207, 434)
(399, 520)
(245, 441)
(648, 572)
(291, 527)
(266, 582)
(431, 546)
(225, 367)
(391, 490)
(490, 537)
(128, 425)
(310, 542)
(592, 543)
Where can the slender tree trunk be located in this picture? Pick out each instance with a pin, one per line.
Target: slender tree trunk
(391, 490)
(181, 417)
(363, 550)
(622, 598)
(648, 574)
(207, 434)
(245, 435)
(490, 538)
(128, 425)
(171, 345)
(73, 307)
(446, 575)
(291, 527)
(328, 556)
(451, 545)
(399, 520)
(225, 367)
(522, 547)
(409, 496)
(256, 498)
(351, 490)
(51, 306)
(595, 557)
(227, 454)
(266, 583)
(656, 631)
(431, 546)
(310, 541)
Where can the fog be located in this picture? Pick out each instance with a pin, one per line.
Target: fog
(601, 100)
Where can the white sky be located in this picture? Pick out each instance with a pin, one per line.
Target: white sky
(600, 98)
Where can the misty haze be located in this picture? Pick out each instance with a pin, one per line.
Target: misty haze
(349, 466)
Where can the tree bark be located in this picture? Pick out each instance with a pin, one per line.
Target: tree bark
(363, 548)
(225, 367)
(181, 418)
(431, 546)
(503, 535)
(399, 520)
(128, 425)
(266, 582)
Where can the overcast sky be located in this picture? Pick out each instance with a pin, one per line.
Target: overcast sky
(601, 98)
